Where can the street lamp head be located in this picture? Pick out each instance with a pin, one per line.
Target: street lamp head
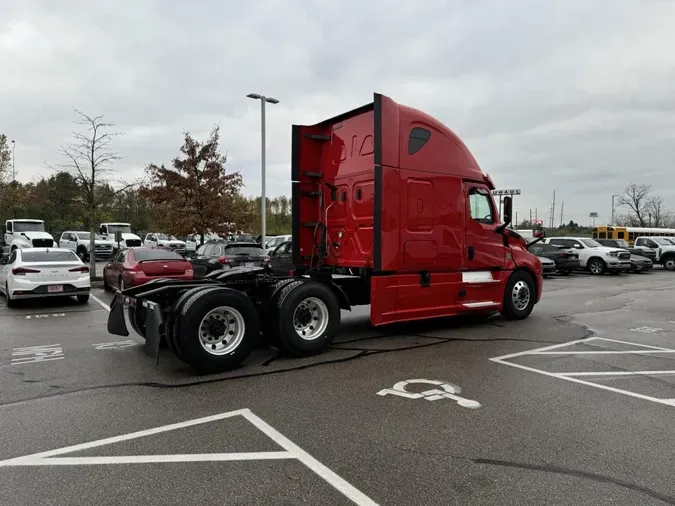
(257, 96)
(271, 100)
(254, 96)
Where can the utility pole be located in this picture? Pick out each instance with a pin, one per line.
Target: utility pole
(263, 168)
(613, 217)
(530, 216)
(536, 214)
(553, 210)
(562, 208)
(13, 169)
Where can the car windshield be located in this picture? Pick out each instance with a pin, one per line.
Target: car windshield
(248, 250)
(164, 237)
(591, 243)
(141, 255)
(123, 228)
(244, 238)
(622, 243)
(662, 241)
(29, 226)
(84, 236)
(31, 256)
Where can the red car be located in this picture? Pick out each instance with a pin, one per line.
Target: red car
(135, 266)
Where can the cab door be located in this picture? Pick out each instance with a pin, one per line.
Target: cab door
(484, 248)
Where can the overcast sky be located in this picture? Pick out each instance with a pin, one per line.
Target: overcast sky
(576, 96)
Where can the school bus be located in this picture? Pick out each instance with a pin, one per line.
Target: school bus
(630, 233)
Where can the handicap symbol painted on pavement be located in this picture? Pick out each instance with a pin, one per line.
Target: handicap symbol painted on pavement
(446, 391)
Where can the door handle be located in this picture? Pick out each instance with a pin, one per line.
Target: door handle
(471, 252)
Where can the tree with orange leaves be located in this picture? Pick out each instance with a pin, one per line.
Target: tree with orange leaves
(199, 196)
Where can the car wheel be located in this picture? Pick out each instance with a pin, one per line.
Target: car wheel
(106, 286)
(82, 254)
(597, 266)
(519, 296)
(10, 302)
(83, 299)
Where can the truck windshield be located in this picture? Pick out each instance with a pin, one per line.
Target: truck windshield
(84, 236)
(164, 237)
(662, 241)
(591, 243)
(29, 226)
(622, 243)
(125, 229)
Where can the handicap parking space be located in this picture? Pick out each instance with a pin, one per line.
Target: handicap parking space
(456, 411)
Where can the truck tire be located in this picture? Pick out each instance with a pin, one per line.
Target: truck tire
(82, 253)
(519, 296)
(668, 262)
(597, 266)
(171, 325)
(218, 330)
(269, 321)
(309, 318)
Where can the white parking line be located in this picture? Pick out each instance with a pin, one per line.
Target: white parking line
(572, 376)
(290, 451)
(100, 302)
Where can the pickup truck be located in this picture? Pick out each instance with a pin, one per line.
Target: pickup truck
(593, 256)
(158, 240)
(663, 248)
(79, 243)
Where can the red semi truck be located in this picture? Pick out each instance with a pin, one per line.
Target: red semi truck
(389, 209)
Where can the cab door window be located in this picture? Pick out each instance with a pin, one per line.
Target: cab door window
(480, 206)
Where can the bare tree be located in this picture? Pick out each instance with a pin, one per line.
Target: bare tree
(657, 213)
(636, 198)
(89, 158)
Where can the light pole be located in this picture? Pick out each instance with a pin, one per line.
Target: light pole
(13, 171)
(613, 196)
(263, 204)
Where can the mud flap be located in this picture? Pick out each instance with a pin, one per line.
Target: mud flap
(154, 329)
(116, 323)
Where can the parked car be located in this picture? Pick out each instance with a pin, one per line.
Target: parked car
(136, 266)
(281, 259)
(635, 250)
(43, 272)
(273, 242)
(79, 243)
(216, 255)
(566, 260)
(547, 266)
(593, 256)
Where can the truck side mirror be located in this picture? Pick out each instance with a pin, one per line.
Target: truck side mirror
(508, 210)
(102, 231)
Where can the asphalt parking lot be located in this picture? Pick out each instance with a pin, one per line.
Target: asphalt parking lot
(571, 406)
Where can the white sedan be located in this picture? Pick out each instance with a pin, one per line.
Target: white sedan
(43, 272)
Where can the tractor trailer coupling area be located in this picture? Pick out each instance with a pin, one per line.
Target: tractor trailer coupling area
(215, 323)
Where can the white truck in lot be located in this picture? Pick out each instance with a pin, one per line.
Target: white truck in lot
(25, 233)
(594, 257)
(159, 240)
(664, 248)
(79, 242)
(120, 235)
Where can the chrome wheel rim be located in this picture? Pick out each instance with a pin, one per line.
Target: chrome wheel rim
(596, 267)
(670, 264)
(310, 318)
(222, 330)
(520, 295)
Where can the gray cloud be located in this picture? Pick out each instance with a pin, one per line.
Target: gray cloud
(568, 95)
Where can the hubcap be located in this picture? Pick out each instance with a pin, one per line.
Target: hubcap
(222, 330)
(520, 295)
(595, 268)
(310, 318)
(670, 264)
